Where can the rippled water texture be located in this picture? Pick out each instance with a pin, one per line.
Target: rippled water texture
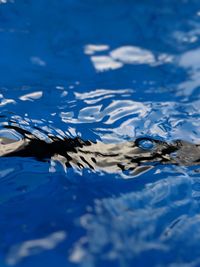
(108, 71)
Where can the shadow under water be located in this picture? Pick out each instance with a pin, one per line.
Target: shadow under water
(134, 157)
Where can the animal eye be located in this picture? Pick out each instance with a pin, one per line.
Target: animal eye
(145, 143)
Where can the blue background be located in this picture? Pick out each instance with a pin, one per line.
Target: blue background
(50, 78)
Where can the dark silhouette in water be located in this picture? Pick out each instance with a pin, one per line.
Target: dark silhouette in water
(133, 156)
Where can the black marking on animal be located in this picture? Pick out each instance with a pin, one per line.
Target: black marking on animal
(128, 156)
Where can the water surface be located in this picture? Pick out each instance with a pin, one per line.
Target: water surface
(106, 71)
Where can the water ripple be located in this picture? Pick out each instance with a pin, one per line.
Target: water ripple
(127, 223)
(118, 57)
(31, 247)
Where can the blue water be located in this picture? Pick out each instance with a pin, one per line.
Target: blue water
(102, 70)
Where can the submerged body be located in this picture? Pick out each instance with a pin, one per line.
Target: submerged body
(133, 156)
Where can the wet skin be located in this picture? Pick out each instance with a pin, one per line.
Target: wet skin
(135, 157)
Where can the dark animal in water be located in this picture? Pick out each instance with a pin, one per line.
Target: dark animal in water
(133, 156)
